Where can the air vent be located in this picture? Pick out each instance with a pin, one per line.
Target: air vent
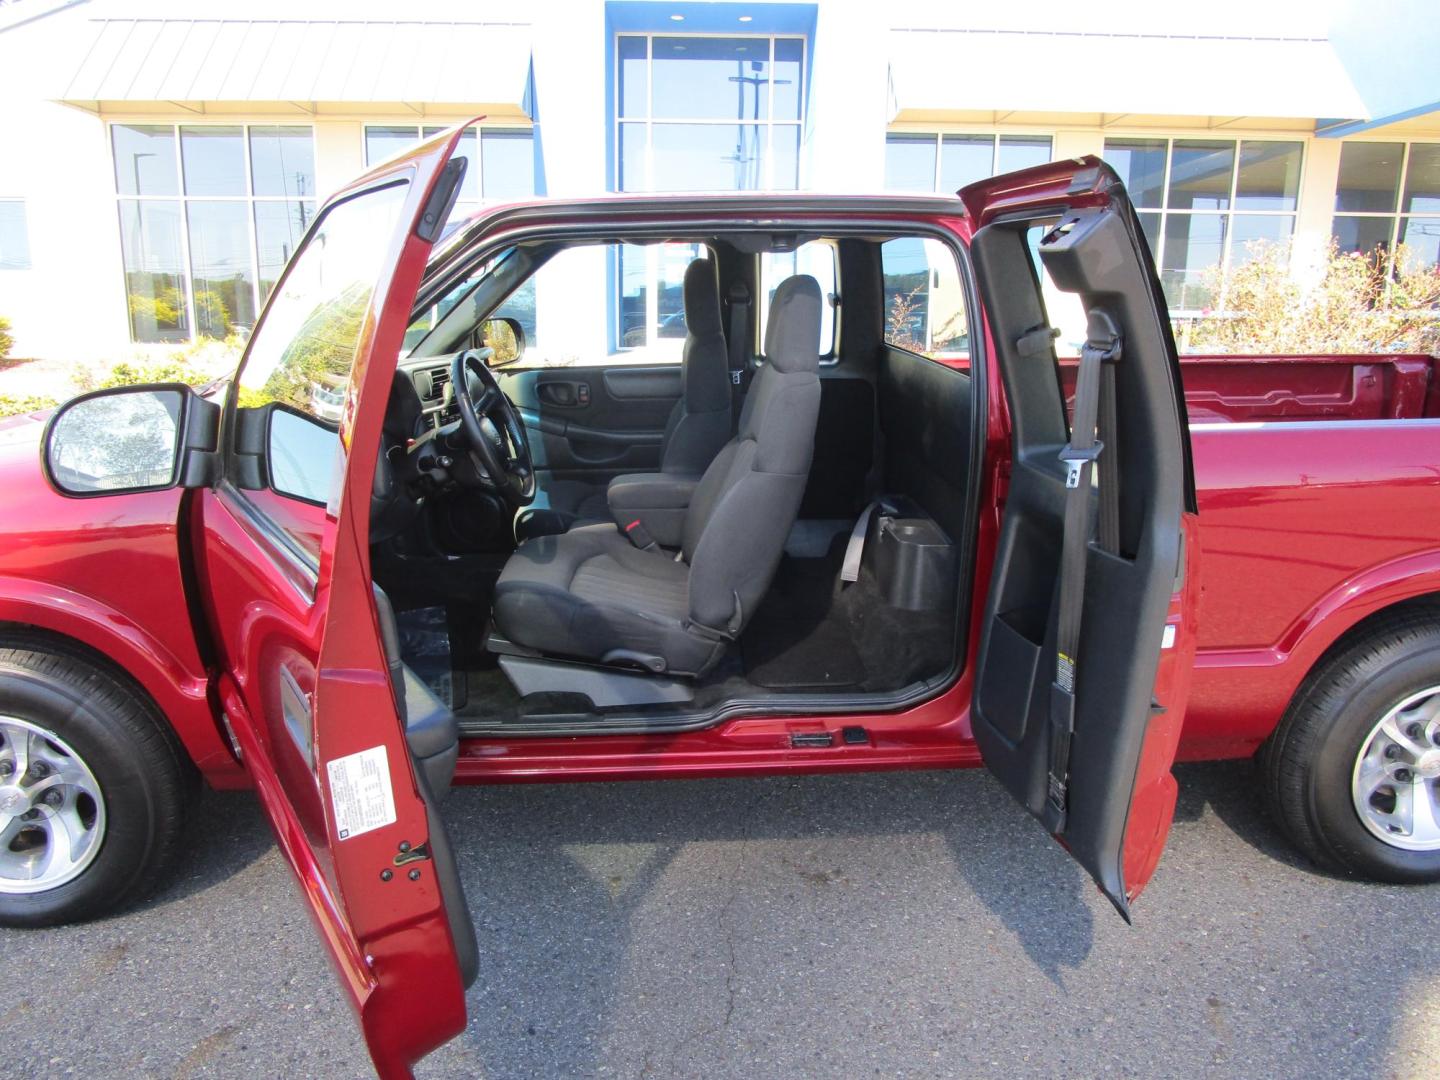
(439, 379)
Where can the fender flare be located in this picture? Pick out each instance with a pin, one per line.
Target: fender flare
(179, 689)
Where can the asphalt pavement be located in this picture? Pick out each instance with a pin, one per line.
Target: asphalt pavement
(904, 924)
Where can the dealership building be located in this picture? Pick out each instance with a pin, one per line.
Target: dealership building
(159, 161)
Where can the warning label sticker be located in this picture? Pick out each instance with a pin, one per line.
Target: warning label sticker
(360, 792)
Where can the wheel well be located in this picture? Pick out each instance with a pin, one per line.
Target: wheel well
(15, 635)
(1424, 606)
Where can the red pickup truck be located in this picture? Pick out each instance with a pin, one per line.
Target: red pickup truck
(431, 533)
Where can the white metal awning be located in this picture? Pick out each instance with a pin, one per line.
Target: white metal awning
(205, 64)
(936, 71)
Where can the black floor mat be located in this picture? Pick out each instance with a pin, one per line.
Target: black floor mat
(425, 648)
(799, 637)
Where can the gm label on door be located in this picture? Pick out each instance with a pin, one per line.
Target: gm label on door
(360, 792)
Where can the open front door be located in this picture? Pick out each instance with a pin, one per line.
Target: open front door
(315, 708)
(1088, 636)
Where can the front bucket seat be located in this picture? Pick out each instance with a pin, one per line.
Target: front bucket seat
(592, 595)
(697, 428)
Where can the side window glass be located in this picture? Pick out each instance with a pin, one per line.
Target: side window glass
(925, 300)
(818, 259)
(302, 354)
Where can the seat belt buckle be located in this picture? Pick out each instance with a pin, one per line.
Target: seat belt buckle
(637, 534)
(1076, 460)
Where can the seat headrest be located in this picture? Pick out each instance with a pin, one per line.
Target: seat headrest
(702, 299)
(792, 338)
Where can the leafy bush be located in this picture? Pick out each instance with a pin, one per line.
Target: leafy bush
(1357, 304)
(18, 406)
(7, 340)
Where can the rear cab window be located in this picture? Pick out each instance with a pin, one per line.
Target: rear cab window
(925, 300)
(819, 259)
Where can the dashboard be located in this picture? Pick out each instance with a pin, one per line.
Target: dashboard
(432, 384)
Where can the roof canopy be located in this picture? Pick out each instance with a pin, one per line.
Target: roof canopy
(275, 65)
(942, 71)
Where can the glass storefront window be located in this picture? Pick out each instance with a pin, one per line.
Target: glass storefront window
(698, 112)
(1371, 216)
(208, 215)
(500, 161)
(1207, 205)
(911, 159)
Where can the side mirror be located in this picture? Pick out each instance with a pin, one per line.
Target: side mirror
(505, 336)
(132, 438)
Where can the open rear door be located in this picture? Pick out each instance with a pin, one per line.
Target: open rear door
(283, 569)
(1088, 635)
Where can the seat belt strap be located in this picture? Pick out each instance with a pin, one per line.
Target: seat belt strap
(739, 300)
(855, 549)
(1097, 359)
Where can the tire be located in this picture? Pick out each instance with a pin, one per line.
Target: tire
(102, 728)
(1312, 767)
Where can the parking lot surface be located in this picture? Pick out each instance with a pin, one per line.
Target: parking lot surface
(906, 924)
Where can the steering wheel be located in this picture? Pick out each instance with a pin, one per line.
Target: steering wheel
(492, 428)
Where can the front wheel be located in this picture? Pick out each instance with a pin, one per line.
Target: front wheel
(1353, 771)
(92, 787)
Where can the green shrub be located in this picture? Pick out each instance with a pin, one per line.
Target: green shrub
(7, 339)
(18, 406)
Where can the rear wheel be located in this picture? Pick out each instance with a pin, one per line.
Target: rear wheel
(1353, 771)
(92, 787)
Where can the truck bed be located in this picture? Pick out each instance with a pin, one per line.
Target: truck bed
(1318, 477)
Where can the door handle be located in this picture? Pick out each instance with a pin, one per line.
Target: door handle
(564, 395)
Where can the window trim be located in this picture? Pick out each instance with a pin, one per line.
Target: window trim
(29, 261)
(1395, 216)
(769, 123)
(249, 198)
(1164, 210)
(940, 134)
(422, 123)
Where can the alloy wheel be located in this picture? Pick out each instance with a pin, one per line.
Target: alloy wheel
(1396, 781)
(52, 814)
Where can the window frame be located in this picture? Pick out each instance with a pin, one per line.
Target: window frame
(1164, 210)
(436, 126)
(940, 134)
(769, 123)
(28, 262)
(1398, 214)
(183, 199)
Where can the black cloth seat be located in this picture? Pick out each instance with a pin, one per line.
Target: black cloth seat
(698, 427)
(589, 594)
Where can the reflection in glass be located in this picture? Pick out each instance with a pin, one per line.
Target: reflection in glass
(154, 269)
(910, 162)
(634, 296)
(632, 157)
(1021, 152)
(785, 159)
(1269, 176)
(214, 160)
(1362, 235)
(384, 142)
(282, 161)
(709, 78)
(302, 352)
(303, 456)
(1194, 244)
(1200, 174)
(1369, 177)
(115, 442)
(1249, 233)
(789, 78)
(1140, 164)
(220, 267)
(924, 298)
(634, 93)
(707, 157)
(278, 229)
(14, 236)
(965, 159)
(145, 159)
(1421, 237)
(1422, 180)
(509, 164)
